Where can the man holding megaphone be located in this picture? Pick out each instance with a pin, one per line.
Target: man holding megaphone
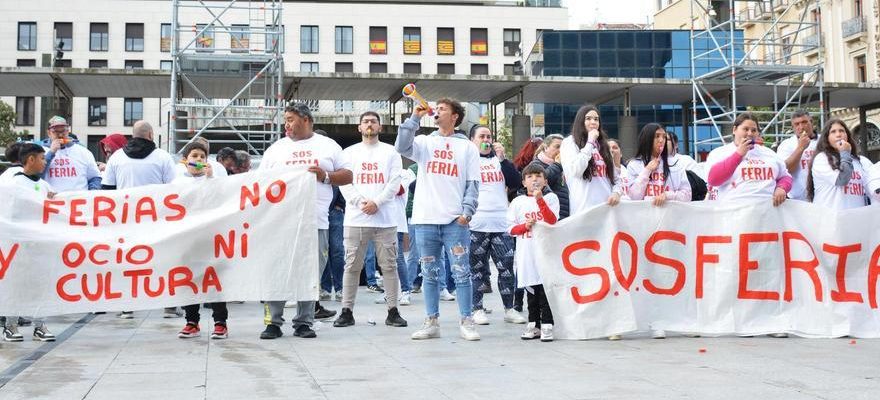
(445, 199)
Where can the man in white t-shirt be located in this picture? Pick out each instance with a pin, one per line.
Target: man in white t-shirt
(489, 237)
(797, 151)
(303, 148)
(371, 216)
(70, 166)
(139, 163)
(447, 188)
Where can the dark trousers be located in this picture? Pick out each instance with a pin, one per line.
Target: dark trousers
(539, 308)
(220, 313)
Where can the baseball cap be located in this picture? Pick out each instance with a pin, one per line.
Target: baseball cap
(57, 121)
(302, 109)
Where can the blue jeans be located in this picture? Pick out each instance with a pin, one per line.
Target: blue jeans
(454, 240)
(332, 278)
(402, 273)
(412, 265)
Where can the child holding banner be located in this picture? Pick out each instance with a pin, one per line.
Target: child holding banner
(837, 175)
(195, 157)
(537, 204)
(32, 158)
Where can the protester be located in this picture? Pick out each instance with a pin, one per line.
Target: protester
(874, 183)
(234, 161)
(70, 165)
(676, 159)
(302, 147)
(331, 279)
(219, 169)
(197, 171)
(538, 203)
(837, 176)
(548, 158)
(797, 151)
(444, 203)
(33, 161)
(489, 236)
(371, 216)
(527, 153)
(108, 146)
(11, 154)
(585, 155)
(403, 272)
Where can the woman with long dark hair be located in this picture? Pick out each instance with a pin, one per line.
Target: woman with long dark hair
(837, 176)
(649, 173)
(587, 163)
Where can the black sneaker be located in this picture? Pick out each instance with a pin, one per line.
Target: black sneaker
(304, 331)
(272, 331)
(485, 288)
(24, 321)
(323, 313)
(394, 318)
(375, 289)
(346, 318)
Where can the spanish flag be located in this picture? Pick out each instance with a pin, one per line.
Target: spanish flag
(378, 47)
(479, 48)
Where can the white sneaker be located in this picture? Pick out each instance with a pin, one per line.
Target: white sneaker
(337, 296)
(404, 299)
(325, 295)
(778, 335)
(510, 315)
(446, 296)
(380, 300)
(658, 334)
(468, 330)
(125, 315)
(614, 337)
(289, 304)
(480, 317)
(531, 332)
(430, 329)
(172, 312)
(546, 332)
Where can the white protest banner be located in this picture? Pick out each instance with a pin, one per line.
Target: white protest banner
(244, 237)
(713, 268)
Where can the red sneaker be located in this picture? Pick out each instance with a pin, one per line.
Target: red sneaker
(220, 332)
(191, 330)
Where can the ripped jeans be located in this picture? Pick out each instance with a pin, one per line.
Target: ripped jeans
(431, 240)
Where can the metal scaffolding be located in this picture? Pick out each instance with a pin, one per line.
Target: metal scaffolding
(241, 42)
(787, 37)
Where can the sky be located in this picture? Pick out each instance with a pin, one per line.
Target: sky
(609, 11)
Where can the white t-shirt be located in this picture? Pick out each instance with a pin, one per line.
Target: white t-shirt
(125, 172)
(874, 183)
(446, 163)
(754, 177)
(71, 169)
(799, 176)
(584, 194)
(406, 178)
(40, 187)
(187, 178)
(656, 183)
(682, 161)
(492, 203)
(376, 176)
(524, 261)
(317, 150)
(825, 193)
(7, 175)
(217, 169)
(625, 182)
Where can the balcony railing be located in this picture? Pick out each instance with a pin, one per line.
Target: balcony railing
(854, 26)
(812, 42)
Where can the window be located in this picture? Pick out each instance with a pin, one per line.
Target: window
(97, 111)
(26, 62)
(446, 69)
(205, 40)
(27, 35)
(510, 69)
(240, 38)
(378, 40)
(412, 41)
(63, 63)
(412, 68)
(861, 69)
(99, 36)
(275, 38)
(165, 65)
(786, 50)
(134, 37)
(308, 67)
(857, 8)
(133, 111)
(378, 68)
(134, 64)
(342, 106)
(308, 41)
(344, 39)
(511, 41)
(97, 63)
(64, 35)
(479, 69)
(165, 38)
(479, 41)
(24, 111)
(445, 41)
(816, 17)
(344, 67)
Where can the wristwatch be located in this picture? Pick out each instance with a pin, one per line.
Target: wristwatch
(467, 218)
(326, 178)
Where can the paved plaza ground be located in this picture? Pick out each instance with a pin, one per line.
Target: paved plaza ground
(102, 357)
